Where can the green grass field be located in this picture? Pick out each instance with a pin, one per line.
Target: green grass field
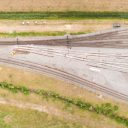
(13, 117)
(72, 15)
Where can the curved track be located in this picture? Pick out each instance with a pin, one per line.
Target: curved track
(117, 38)
(66, 76)
(114, 62)
(80, 56)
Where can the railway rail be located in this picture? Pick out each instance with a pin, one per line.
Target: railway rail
(110, 39)
(92, 59)
(66, 76)
(116, 62)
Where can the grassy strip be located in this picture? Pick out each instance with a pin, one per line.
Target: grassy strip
(33, 34)
(13, 117)
(104, 109)
(63, 15)
(25, 34)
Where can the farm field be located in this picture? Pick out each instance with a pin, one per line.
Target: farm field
(65, 15)
(63, 5)
(47, 18)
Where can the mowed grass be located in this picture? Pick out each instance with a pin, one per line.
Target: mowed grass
(13, 117)
(34, 34)
(70, 15)
(63, 5)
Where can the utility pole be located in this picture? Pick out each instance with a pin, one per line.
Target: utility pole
(17, 40)
(68, 42)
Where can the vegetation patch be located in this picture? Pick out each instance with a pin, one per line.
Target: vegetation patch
(104, 109)
(25, 34)
(26, 118)
(34, 34)
(62, 15)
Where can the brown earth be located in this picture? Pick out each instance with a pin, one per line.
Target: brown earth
(57, 25)
(63, 5)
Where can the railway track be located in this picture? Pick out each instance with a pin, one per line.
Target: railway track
(109, 39)
(92, 59)
(66, 76)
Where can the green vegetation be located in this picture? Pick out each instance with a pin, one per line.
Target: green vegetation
(26, 34)
(62, 15)
(13, 117)
(14, 89)
(104, 109)
(78, 33)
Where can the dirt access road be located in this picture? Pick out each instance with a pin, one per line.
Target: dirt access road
(87, 26)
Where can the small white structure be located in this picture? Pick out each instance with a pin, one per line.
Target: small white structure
(35, 22)
(68, 26)
(27, 22)
(100, 96)
(44, 22)
(94, 69)
(23, 23)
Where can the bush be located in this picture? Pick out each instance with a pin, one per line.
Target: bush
(13, 88)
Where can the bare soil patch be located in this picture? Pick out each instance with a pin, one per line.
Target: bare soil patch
(87, 26)
(63, 5)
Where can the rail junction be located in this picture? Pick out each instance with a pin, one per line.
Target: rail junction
(97, 61)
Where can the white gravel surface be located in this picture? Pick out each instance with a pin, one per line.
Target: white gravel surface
(105, 66)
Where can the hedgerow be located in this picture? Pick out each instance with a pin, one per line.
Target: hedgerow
(14, 89)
